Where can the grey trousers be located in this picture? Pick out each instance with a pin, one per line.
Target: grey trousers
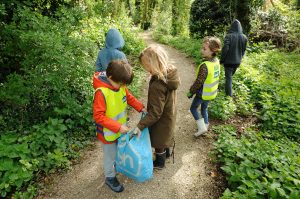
(229, 72)
(109, 157)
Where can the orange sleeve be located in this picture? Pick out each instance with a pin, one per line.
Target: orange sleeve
(133, 102)
(99, 108)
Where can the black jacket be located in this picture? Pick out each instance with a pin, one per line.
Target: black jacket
(235, 43)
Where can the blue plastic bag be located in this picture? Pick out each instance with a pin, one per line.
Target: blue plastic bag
(134, 156)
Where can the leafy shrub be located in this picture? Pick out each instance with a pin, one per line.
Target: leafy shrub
(281, 114)
(279, 26)
(46, 92)
(222, 107)
(43, 149)
(242, 99)
(257, 167)
(201, 15)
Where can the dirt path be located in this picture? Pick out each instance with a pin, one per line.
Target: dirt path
(189, 177)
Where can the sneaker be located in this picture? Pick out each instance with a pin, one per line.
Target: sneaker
(114, 184)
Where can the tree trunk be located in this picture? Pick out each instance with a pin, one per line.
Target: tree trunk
(180, 10)
(137, 13)
(148, 7)
(128, 6)
(175, 16)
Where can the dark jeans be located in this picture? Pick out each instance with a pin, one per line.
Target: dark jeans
(197, 101)
(229, 72)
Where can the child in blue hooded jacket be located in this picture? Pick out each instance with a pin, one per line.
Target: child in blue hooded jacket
(111, 52)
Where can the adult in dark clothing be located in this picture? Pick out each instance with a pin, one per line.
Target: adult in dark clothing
(233, 50)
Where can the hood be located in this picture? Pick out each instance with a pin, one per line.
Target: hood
(114, 39)
(101, 81)
(236, 27)
(173, 80)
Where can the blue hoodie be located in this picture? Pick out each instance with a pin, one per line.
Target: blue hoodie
(113, 42)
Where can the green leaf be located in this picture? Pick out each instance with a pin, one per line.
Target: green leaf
(6, 164)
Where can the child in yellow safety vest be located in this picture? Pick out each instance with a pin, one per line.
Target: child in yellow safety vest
(205, 87)
(109, 106)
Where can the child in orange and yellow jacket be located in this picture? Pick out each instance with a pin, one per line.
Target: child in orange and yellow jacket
(110, 113)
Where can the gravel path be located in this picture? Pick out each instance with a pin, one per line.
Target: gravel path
(192, 175)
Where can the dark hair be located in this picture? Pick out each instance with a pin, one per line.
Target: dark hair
(120, 72)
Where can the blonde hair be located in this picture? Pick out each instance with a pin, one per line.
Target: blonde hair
(214, 44)
(158, 61)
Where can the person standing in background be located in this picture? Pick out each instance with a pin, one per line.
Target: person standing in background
(111, 51)
(233, 50)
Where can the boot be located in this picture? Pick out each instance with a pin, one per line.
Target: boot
(201, 127)
(207, 125)
(159, 162)
(168, 154)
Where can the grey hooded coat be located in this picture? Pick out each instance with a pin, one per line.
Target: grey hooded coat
(234, 47)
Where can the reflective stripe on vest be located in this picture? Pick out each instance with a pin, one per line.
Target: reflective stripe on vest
(116, 104)
(211, 83)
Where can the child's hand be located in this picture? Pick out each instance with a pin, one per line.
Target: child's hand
(123, 129)
(144, 110)
(189, 95)
(136, 131)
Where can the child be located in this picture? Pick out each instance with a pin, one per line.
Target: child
(206, 84)
(110, 103)
(161, 106)
(113, 43)
(233, 51)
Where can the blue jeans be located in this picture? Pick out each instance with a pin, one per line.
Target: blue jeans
(229, 72)
(197, 101)
(109, 156)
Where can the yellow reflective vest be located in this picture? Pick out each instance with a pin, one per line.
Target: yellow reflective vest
(116, 104)
(211, 83)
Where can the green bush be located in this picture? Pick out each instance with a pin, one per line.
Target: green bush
(222, 107)
(208, 17)
(46, 90)
(41, 149)
(257, 167)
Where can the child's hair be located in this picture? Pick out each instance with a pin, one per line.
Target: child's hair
(120, 72)
(158, 60)
(214, 44)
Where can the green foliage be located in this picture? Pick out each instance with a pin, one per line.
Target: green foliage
(258, 167)
(223, 107)
(281, 114)
(185, 44)
(210, 17)
(47, 62)
(161, 19)
(276, 90)
(242, 99)
(171, 17)
(201, 15)
(279, 25)
(42, 149)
